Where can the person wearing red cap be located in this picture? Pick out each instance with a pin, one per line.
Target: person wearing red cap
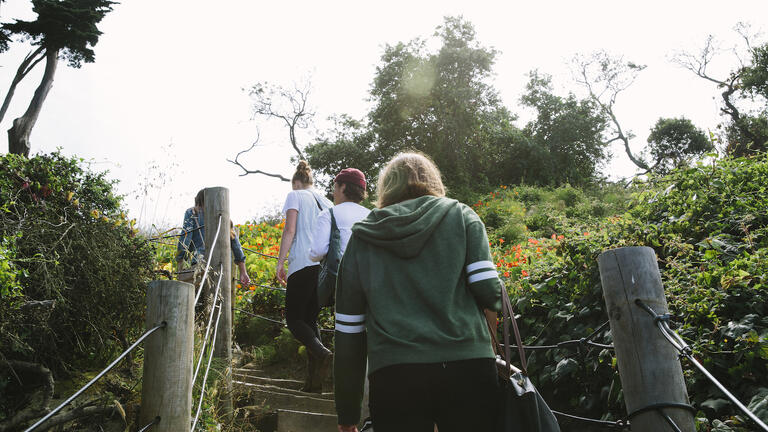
(348, 192)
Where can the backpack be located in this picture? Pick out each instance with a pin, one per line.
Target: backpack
(329, 267)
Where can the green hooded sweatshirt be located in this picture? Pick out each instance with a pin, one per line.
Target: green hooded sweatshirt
(410, 289)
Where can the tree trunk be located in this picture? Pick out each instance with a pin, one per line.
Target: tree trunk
(18, 134)
(24, 68)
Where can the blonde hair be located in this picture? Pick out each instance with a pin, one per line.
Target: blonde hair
(407, 176)
(303, 173)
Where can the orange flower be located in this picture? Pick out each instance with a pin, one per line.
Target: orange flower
(501, 240)
(252, 287)
(554, 236)
(586, 233)
(239, 286)
(506, 274)
(524, 273)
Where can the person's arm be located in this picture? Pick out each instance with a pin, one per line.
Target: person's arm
(289, 233)
(321, 237)
(185, 237)
(350, 341)
(237, 251)
(482, 278)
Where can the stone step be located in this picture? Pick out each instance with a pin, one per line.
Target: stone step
(278, 398)
(300, 421)
(254, 378)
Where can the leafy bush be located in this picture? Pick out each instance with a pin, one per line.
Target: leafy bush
(67, 240)
(709, 228)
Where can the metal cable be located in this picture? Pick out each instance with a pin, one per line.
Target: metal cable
(570, 343)
(662, 322)
(96, 378)
(669, 420)
(282, 323)
(259, 253)
(208, 261)
(619, 424)
(183, 233)
(208, 327)
(154, 422)
(269, 287)
(207, 369)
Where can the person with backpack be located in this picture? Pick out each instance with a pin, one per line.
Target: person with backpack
(330, 235)
(302, 205)
(410, 293)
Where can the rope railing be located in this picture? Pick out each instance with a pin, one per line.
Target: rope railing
(95, 379)
(208, 328)
(208, 261)
(662, 322)
(207, 369)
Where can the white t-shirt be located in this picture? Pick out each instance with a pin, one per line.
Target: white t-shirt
(346, 214)
(305, 201)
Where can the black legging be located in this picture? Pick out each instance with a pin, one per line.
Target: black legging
(301, 309)
(458, 396)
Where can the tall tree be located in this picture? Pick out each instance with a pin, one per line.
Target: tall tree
(747, 127)
(570, 130)
(63, 29)
(441, 103)
(674, 141)
(605, 77)
(289, 106)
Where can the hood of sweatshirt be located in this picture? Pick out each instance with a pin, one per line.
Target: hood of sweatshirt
(404, 228)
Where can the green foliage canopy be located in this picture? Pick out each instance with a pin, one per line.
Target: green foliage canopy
(674, 141)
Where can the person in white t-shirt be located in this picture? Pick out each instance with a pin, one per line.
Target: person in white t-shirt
(302, 205)
(348, 192)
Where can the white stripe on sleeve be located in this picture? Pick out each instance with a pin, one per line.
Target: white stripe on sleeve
(350, 329)
(482, 276)
(480, 265)
(350, 318)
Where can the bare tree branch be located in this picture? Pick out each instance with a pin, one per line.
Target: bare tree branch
(247, 171)
(604, 77)
(289, 106)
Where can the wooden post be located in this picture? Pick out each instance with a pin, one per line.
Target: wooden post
(217, 204)
(649, 367)
(168, 353)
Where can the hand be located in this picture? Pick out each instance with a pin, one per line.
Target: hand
(245, 280)
(281, 272)
(347, 428)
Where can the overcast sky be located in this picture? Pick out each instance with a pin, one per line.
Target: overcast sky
(165, 95)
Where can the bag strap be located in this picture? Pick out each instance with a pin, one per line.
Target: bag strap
(334, 227)
(317, 201)
(508, 316)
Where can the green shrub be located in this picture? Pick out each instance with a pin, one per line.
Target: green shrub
(709, 228)
(74, 246)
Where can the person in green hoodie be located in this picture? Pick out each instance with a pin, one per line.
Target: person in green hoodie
(411, 289)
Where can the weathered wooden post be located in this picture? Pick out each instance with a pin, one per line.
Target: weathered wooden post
(167, 383)
(217, 204)
(650, 371)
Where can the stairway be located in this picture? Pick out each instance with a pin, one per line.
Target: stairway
(281, 406)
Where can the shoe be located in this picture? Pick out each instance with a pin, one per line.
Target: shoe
(311, 371)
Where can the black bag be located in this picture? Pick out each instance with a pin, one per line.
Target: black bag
(329, 267)
(521, 407)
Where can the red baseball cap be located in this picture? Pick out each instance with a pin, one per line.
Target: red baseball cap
(351, 175)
